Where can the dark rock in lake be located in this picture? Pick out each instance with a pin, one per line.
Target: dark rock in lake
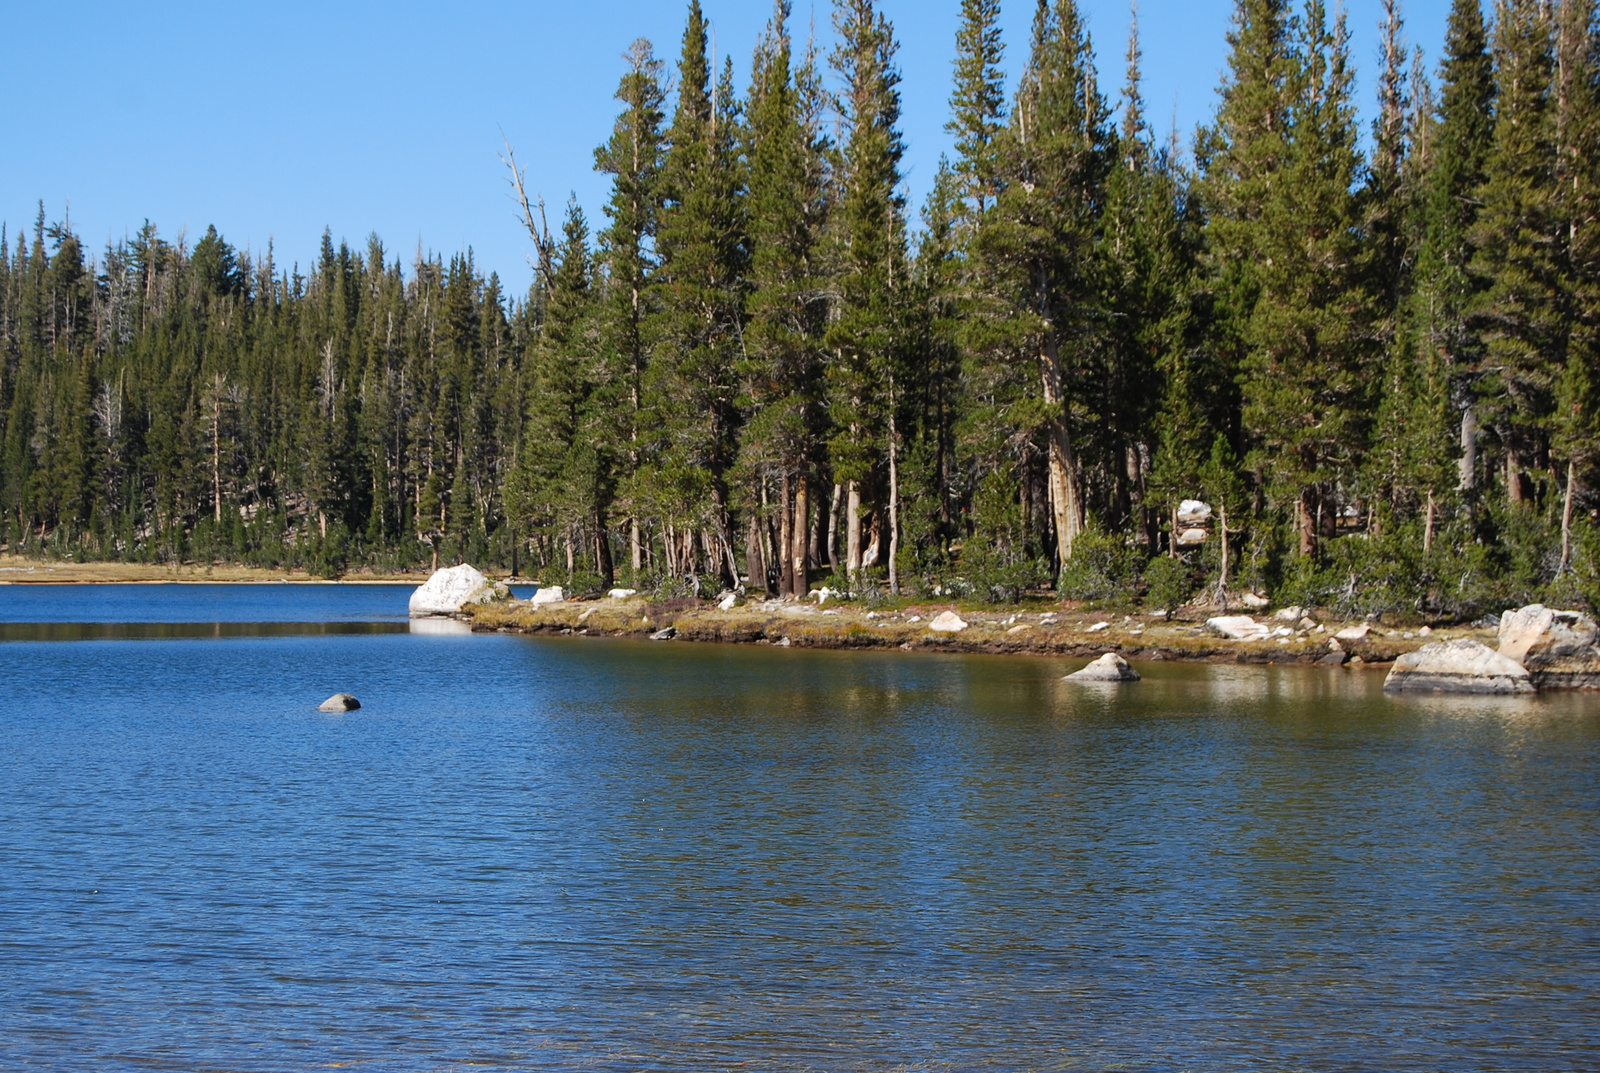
(664, 635)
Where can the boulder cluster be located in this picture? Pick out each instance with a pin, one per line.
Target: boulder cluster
(1540, 648)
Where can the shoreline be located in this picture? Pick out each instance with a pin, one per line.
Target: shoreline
(16, 570)
(1058, 633)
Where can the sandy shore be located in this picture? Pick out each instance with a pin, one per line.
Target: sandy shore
(1049, 633)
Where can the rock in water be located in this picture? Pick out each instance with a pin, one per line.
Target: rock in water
(339, 702)
(451, 589)
(1559, 649)
(1108, 668)
(947, 622)
(1238, 628)
(664, 635)
(1458, 666)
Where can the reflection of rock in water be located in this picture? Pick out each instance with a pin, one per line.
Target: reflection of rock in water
(440, 627)
(1235, 684)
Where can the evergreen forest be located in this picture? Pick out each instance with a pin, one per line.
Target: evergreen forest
(1373, 352)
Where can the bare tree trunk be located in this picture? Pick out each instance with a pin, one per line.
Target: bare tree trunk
(852, 528)
(1566, 519)
(635, 551)
(1427, 531)
(1469, 449)
(1513, 478)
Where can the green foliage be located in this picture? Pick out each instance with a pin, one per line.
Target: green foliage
(1169, 582)
(1103, 569)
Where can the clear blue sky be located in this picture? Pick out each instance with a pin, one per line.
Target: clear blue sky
(273, 121)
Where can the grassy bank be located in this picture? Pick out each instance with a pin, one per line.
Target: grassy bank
(1053, 632)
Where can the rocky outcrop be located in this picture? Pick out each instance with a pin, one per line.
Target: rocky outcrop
(1193, 514)
(549, 594)
(1108, 668)
(1559, 649)
(947, 622)
(1238, 628)
(454, 588)
(339, 702)
(1458, 666)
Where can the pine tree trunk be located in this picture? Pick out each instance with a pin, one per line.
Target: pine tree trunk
(1066, 499)
(635, 551)
(1566, 520)
(1513, 478)
(894, 498)
(1469, 449)
(1306, 523)
(852, 528)
(800, 533)
(754, 562)
(786, 585)
(833, 527)
(1427, 531)
(1222, 529)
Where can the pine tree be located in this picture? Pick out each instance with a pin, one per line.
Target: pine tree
(632, 157)
(977, 105)
(787, 309)
(1576, 432)
(1305, 385)
(698, 300)
(1037, 251)
(869, 235)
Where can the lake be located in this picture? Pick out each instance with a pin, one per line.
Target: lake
(616, 855)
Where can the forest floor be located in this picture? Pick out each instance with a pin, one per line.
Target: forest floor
(1059, 631)
(15, 569)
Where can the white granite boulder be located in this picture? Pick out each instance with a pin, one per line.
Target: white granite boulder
(548, 594)
(339, 702)
(1559, 649)
(1457, 666)
(1254, 602)
(453, 588)
(1108, 668)
(1354, 633)
(1238, 628)
(947, 622)
(1192, 513)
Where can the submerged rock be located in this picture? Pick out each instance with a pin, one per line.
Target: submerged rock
(1458, 666)
(1559, 649)
(453, 588)
(947, 622)
(1108, 668)
(339, 702)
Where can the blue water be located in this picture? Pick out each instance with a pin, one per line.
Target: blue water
(575, 853)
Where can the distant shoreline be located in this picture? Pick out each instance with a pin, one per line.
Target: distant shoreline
(16, 570)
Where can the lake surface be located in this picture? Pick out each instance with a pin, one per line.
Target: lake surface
(572, 853)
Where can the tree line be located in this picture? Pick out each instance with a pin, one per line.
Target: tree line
(1374, 358)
